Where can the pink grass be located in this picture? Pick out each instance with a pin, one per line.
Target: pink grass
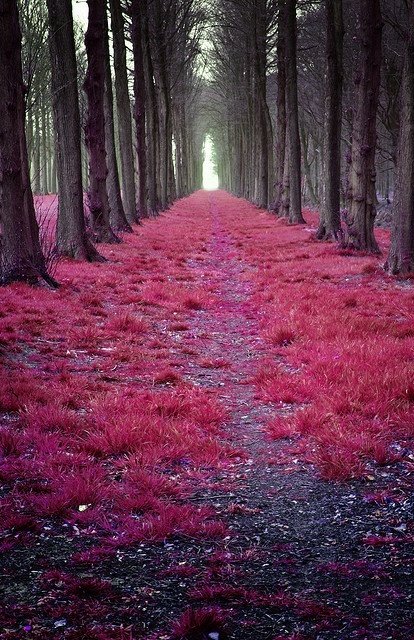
(106, 435)
(195, 624)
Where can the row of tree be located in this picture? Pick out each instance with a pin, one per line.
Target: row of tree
(301, 96)
(339, 107)
(132, 172)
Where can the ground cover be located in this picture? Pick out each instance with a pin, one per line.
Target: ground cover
(210, 435)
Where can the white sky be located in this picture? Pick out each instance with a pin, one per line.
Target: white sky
(210, 178)
(80, 10)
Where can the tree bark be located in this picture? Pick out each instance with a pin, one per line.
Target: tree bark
(72, 239)
(117, 216)
(295, 210)
(401, 256)
(361, 197)
(138, 12)
(280, 133)
(307, 167)
(124, 112)
(94, 87)
(285, 196)
(36, 153)
(159, 24)
(21, 255)
(43, 145)
(152, 120)
(262, 123)
(330, 223)
(30, 138)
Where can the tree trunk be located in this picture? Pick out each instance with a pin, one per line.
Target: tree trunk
(29, 134)
(152, 121)
(163, 149)
(94, 87)
(401, 256)
(280, 132)
(295, 210)
(124, 112)
(307, 167)
(161, 75)
(285, 196)
(262, 124)
(72, 239)
(138, 11)
(21, 255)
(117, 216)
(53, 178)
(36, 152)
(359, 231)
(44, 150)
(330, 224)
(181, 158)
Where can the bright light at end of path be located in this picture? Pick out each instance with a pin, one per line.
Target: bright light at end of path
(80, 11)
(210, 177)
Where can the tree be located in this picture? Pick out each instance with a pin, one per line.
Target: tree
(124, 112)
(280, 130)
(330, 224)
(162, 27)
(72, 239)
(261, 111)
(21, 255)
(361, 196)
(117, 216)
(151, 122)
(94, 87)
(295, 188)
(401, 256)
(138, 13)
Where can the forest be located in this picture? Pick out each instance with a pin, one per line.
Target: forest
(206, 319)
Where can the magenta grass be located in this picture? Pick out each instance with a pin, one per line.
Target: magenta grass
(94, 411)
(113, 429)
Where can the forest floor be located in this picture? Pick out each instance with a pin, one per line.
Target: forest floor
(210, 436)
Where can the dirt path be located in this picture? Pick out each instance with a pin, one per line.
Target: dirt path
(293, 562)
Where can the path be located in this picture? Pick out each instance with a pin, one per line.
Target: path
(290, 525)
(293, 537)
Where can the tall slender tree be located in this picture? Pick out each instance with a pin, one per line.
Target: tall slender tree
(72, 239)
(295, 191)
(330, 224)
(138, 12)
(280, 130)
(361, 196)
(94, 87)
(117, 216)
(21, 254)
(263, 133)
(401, 256)
(151, 121)
(124, 111)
